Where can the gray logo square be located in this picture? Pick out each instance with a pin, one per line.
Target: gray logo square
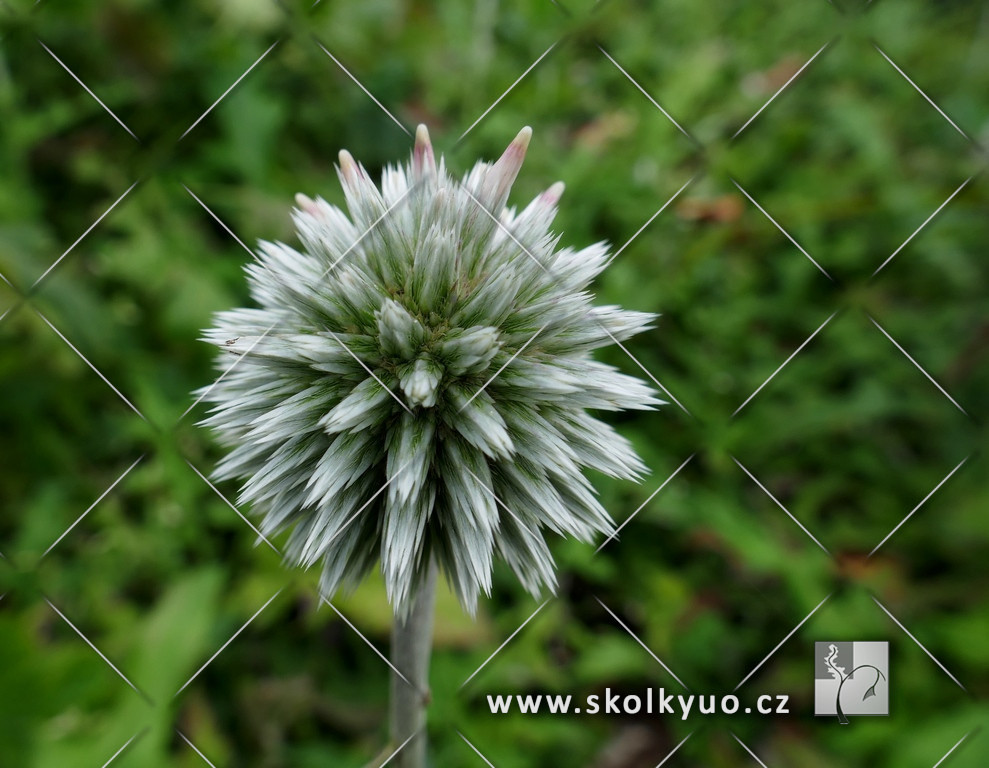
(851, 678)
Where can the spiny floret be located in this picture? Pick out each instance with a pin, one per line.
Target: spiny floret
(414, 383)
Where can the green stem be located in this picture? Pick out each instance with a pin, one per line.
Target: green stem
(411, 645)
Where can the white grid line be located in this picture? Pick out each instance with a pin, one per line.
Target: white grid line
(930, 378)
(224, 95)
(506, 642)
(503, 367)
(676, 194)
(398, 749)
(783, 87)
(645, 370)
(646, 93)
(126, 744)
(780, 228)
(627, 520)
(80, 238)
(674, 750)
(224, 646)
(746, 748)
(95, 369)
(615, 256)
(234, 508)
(10, 285)
(274, 325)
(99, 653)
(785, 362)
(645, 647)
(926, 222)
(88, 90)
(369, 230)
(219, 221)
(92, 506)
(920, 645)
(922, 502)
(385, 485)
(233, 365)
(367, 503)
(497, 101)
(957, 744)
(373, 647)
(194, 748)
(502, 504)
(370, 373)
(549, 272)
(508, 233)
(921, 92)
(780, 505)
(360, 85)
(488, 762)
(780, 644)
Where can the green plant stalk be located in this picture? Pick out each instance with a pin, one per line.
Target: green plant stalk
(411, 647)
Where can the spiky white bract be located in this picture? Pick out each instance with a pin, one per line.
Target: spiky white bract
(415, 381)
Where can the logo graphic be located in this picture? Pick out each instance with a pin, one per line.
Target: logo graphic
(851, 678)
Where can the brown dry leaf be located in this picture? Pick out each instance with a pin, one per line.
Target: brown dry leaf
(726, 208)
(604, 130)
(770, 80)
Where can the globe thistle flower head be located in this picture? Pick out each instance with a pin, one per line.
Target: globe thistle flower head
(415, 382)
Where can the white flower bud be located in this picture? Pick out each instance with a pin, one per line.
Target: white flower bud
(442, 349)
(421, 382)
(470, 350)
(399, 333)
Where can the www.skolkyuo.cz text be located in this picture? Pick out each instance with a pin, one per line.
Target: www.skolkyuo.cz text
(653, 701)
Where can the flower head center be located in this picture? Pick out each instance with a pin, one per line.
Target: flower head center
(425, 357)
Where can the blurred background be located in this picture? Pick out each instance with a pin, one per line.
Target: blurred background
(128, 202)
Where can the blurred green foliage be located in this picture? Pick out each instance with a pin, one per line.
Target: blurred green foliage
(710, 574)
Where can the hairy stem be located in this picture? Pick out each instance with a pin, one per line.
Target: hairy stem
(411, 645)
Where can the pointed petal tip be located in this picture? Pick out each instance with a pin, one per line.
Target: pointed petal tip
(519, 144)
(305, 203)
(348, 166)
(552, 195)
(503, 173)
(515, 152)
(423, 162)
